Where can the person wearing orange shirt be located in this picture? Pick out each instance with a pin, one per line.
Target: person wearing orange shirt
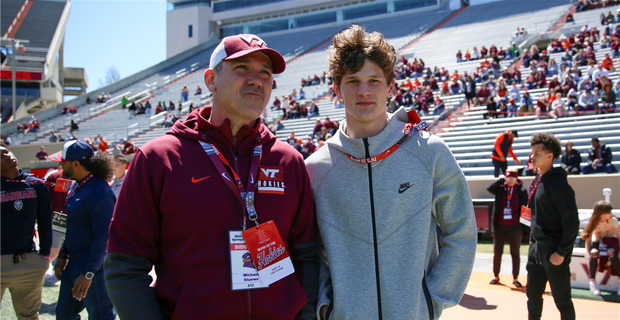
(503, 146)
(467, 55)
(608, 63)
(102, 145)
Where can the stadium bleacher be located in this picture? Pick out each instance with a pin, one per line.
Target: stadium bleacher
(468, 133)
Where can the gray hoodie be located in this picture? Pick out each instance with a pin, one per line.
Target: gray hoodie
(398, 201)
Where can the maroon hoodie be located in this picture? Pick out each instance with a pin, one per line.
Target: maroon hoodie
(176, 210)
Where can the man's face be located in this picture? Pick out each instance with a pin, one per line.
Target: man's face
(365, 94)
(119, 168)
(9, 162)
(540, 157)
(67, 169)
(242, 88)
(595, 144)
(569, 146)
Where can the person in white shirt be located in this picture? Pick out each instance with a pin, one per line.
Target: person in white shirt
(120, 165)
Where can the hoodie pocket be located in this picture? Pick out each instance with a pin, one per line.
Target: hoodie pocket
(429, 300)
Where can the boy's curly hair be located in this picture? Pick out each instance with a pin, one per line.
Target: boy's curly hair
(353, 46)
(549, 142)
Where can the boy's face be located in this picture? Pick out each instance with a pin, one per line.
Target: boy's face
(540, 157)
(365, 94)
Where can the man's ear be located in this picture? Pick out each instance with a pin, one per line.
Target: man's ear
(338, 94)
(210, 79)
(392, 89)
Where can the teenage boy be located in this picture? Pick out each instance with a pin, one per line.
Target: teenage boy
(381, 186)
(555, 225)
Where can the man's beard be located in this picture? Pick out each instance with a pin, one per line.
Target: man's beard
(67, 173)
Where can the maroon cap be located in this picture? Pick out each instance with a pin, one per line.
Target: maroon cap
(239, 45)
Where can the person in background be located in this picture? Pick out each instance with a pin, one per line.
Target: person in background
(510, 195)
(571, 159)
(89, 207)
(601, 236)
(120, 168)
(42, 154)
(25, 204)
(599, 158)
(503, 147)
(555, 225)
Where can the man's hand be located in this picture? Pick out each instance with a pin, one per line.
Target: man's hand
(80, 287)
(556, 259)
(503, 157)
(518, 162)
(61, 263)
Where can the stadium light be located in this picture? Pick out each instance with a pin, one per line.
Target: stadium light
(15, 47)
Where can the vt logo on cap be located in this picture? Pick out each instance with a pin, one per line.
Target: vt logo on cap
(233, 47)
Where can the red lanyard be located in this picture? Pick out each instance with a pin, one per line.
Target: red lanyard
(509, 195)
(598, 228)
(31, 178)
(76, 186)
(245, 196)
(409, 130)
(533, 188)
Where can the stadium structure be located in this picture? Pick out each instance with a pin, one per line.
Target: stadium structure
(431, 30)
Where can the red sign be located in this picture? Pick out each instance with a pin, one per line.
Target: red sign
(21, 75)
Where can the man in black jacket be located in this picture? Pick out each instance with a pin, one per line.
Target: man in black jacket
(510, 196)
(571, 159)
(599, 158)
(555, 225)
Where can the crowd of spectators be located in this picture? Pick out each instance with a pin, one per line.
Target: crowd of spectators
(492, 53)
(315, 80)
(32, 125)
(102, 98)
(584, 5)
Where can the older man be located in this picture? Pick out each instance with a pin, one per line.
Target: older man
(189, 194)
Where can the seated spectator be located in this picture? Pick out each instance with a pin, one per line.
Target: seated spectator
(53, 137)
(65, 109)
(599, 159)
(571, 159)
(512, 107)
(483, 52)
(608, 98)
(42, 154)
(128, 147)
(439, 106)
(459, 56)
(482, 96)
(198, 91)
(72, 110)
(73, 126)
(330, 125)
(467, 55)
(526, 105)
(569, 18)
(475, 55)
(587, 101)
(491, 109)
(302, 94)
(314, 110)
(557, 107)
(607, 63)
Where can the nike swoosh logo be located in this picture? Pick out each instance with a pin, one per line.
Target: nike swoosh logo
(251, 178)
(78, 199)
(225, 177)
(194, 180)
(404, 187)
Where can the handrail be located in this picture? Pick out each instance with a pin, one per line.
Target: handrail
(131, 130)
